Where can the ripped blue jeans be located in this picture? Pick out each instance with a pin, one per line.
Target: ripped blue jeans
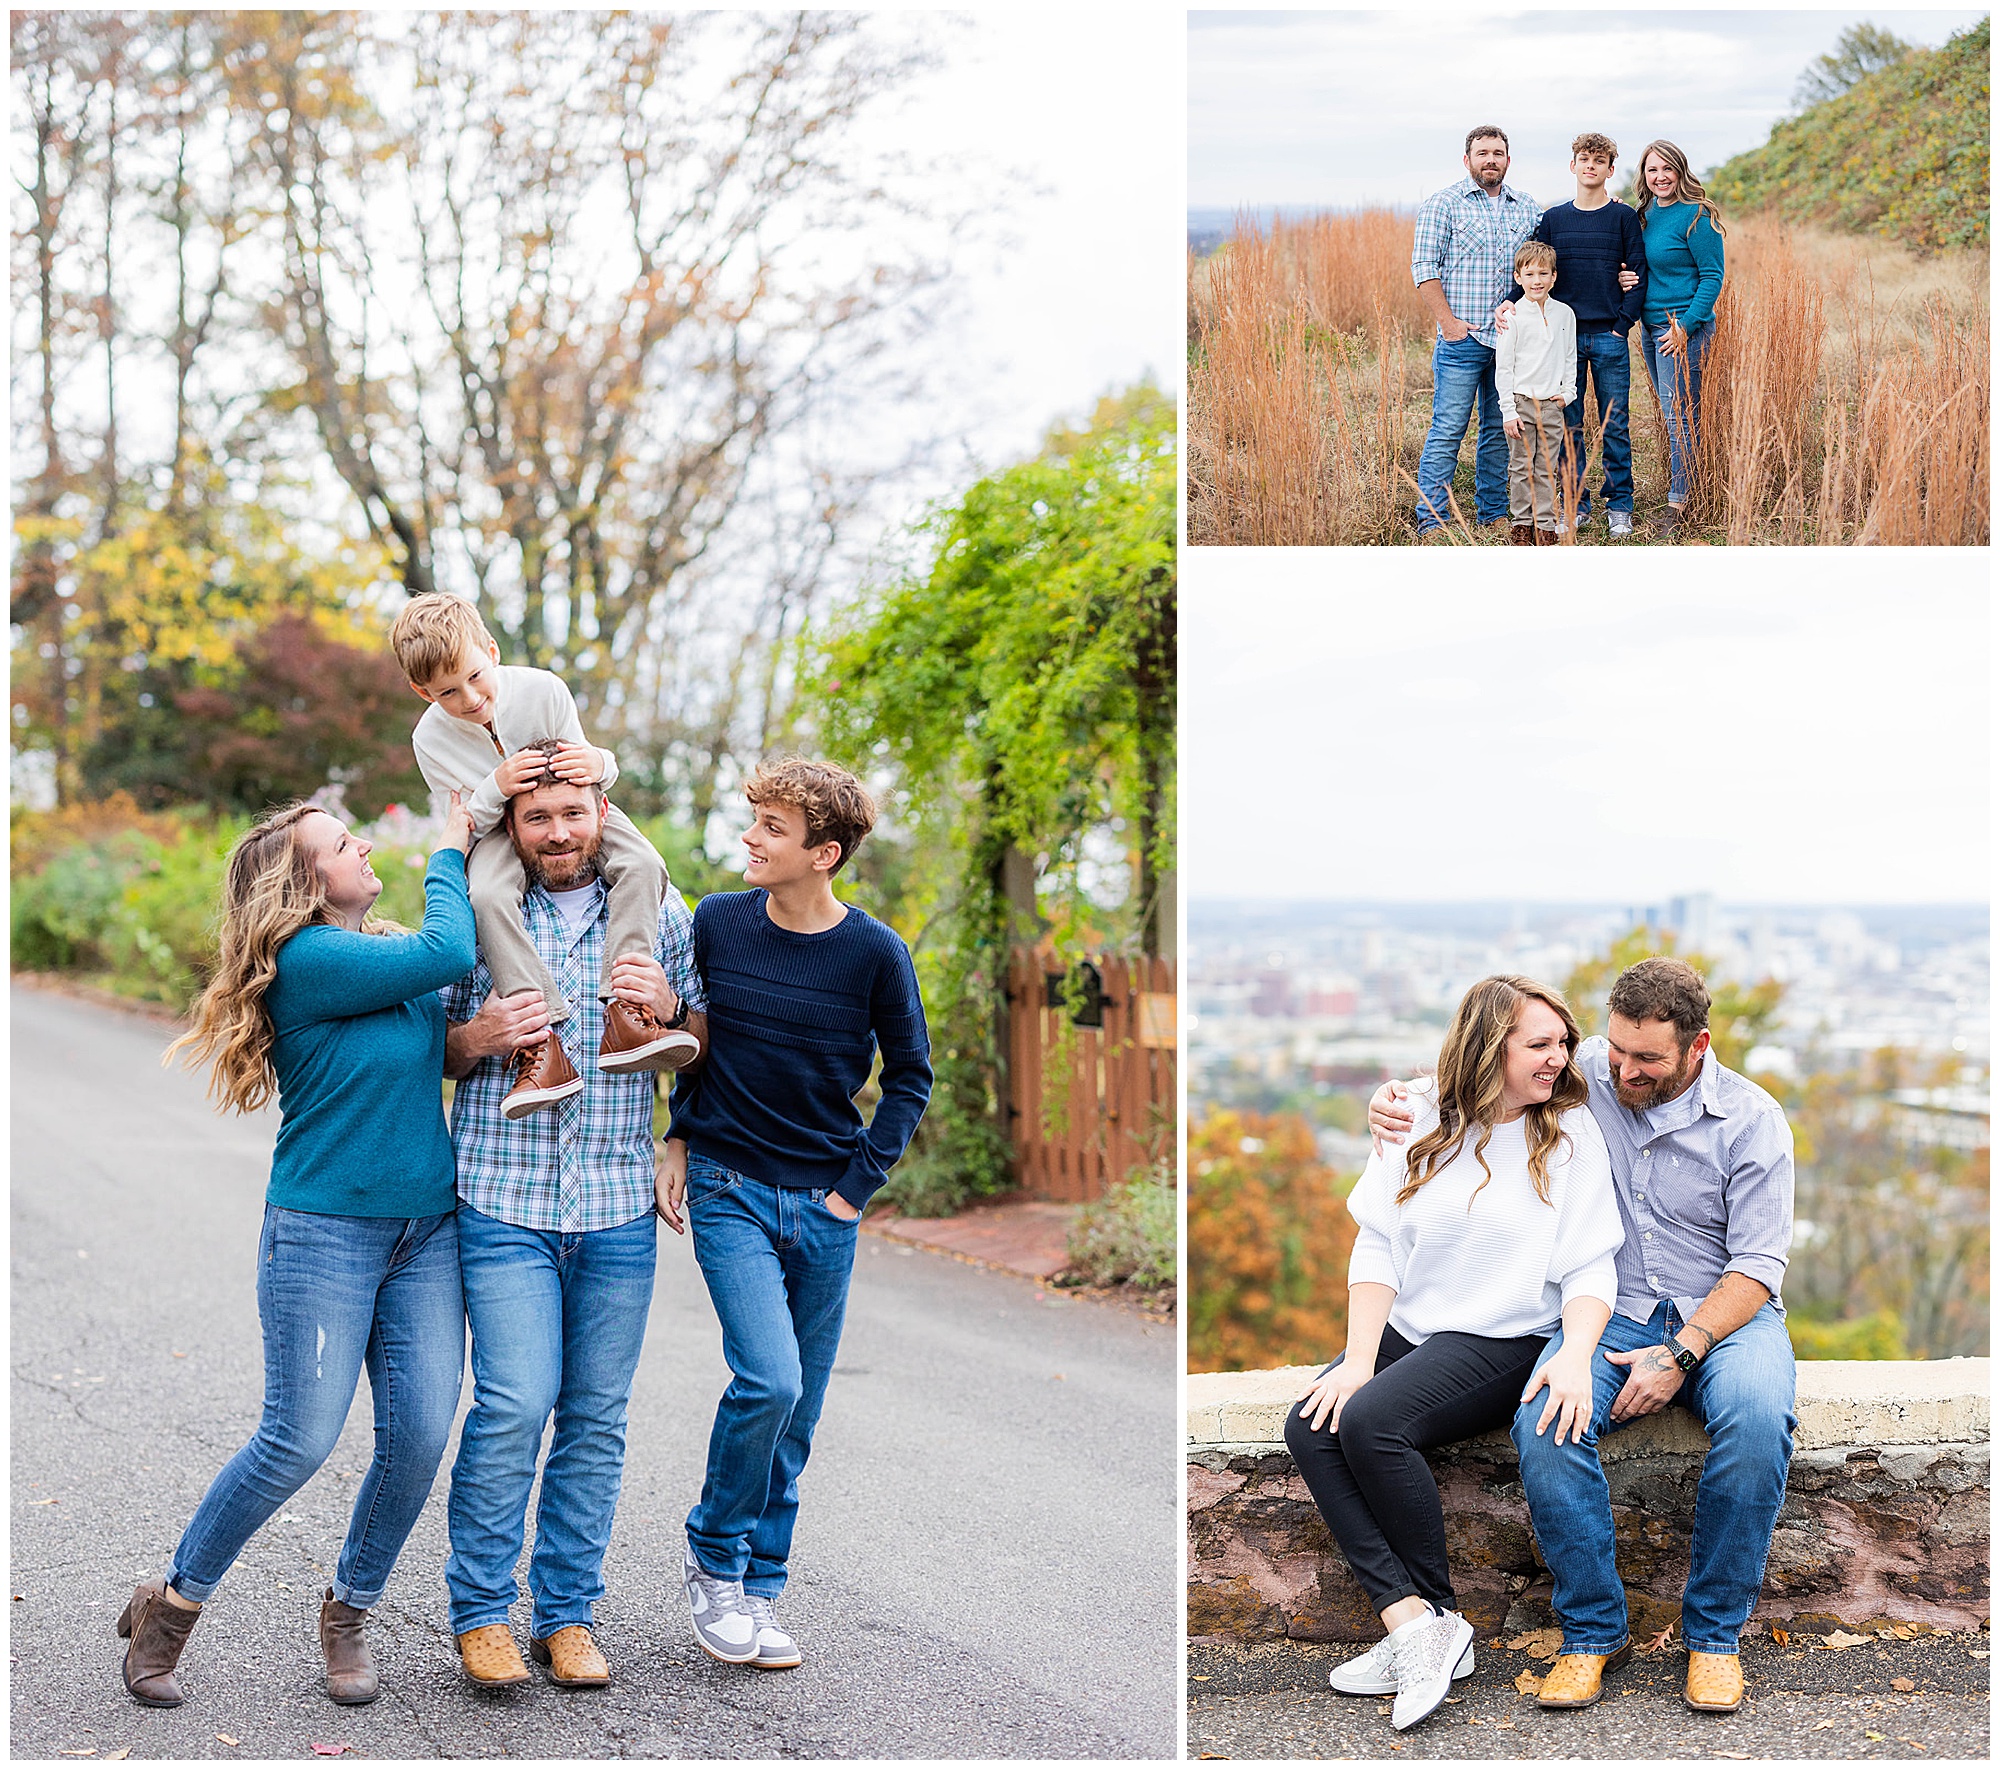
(333, 1294)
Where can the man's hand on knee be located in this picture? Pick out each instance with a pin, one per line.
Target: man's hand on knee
(1652, 1379)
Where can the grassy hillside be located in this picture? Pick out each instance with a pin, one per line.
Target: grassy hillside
(1903, 154)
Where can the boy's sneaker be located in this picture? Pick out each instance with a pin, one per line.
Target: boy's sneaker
(1374, 1673)
(1426, 1652)
(543, 1074)
(1621, 525)
(635, 1039)
(723, 1626)
(776, 1650)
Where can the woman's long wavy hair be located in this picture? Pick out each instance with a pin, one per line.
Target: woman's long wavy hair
(271, 889)
(1689, 190)
(1471, 1074)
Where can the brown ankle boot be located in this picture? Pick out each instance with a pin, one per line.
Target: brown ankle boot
(350, 1677)
(543, 1074)
(1522, 534)
(635, 1039)
(158, 1631)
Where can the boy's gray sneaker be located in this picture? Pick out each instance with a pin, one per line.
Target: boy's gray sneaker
(776, 1650)
(1425, 1656)
(1374, 1673)
(1621, 525)
(723, 1626)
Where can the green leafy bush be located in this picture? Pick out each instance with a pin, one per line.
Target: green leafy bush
(1868, 1336)
(1129, 1237)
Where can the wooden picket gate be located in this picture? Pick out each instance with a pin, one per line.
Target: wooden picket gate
(1114, 1086)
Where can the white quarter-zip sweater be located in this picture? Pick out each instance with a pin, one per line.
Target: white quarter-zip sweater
(1501, 1263)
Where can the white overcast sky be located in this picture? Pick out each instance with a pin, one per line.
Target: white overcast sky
(1340, 109)
(1818, 734)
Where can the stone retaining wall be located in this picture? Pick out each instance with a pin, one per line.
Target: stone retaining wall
(1886, 1515)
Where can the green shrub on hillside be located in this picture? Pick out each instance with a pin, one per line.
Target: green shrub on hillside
(1903, 154)
(1867, 1336)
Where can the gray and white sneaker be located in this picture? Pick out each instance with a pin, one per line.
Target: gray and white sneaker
(1425, 1656)
(1374, 1673)
(776, 1650)
(1621, 525)
(723, 1625)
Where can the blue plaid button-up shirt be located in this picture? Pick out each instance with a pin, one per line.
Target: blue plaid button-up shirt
(587, 1162)
(1467, 241)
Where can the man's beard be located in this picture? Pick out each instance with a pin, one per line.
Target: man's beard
(1666, 1088)
(564, 871)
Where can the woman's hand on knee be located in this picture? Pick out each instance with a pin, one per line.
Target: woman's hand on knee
(1327, 1395)
(1571, 1396)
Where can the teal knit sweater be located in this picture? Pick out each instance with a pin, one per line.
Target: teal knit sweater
(359, 1054)
(1683, 266)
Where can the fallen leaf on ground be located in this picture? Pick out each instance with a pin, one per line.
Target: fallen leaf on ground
(51, 1503)
(1538, 1643)
(1657, 1643)
(1474, 1721)
(1841, 1638)
(229, 1739)
(1976, 1652)
(1778, 1635)
(1822, 1726)
(1877, 1736)
(124, 1751)
(1528, 1683)
(1199, 1677)
(1716, 1754)
(1902, 1631)
(334, 1751)
(1502, 1726)
(1223, 1755)
(1902, 1683)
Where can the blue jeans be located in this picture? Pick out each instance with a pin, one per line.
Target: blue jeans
(557, 1324)
(1605, 359)
(1744, 1392)
(1680, 399)
(334, 1293)
(1463, 373)
(777, 1262)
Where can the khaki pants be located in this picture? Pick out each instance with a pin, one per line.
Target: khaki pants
(496, 882)
(1534, 463)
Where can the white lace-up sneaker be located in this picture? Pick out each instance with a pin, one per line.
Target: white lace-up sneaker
(776, 1650)
(722, 1623)
(1621, 525)
(1425, 1656)
(1374, 1673)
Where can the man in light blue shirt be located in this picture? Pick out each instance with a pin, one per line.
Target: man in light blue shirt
(1701, 1160)
(1462, 259)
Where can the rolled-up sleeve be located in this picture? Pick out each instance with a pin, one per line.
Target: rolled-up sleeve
(1757, 1195)
(1427, 245)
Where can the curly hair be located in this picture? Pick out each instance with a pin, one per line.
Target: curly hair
(1471, 1073)
(835, 805)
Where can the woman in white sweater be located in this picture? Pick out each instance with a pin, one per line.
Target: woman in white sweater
(1492, 1225)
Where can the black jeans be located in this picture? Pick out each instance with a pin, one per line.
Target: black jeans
(1370, 1480)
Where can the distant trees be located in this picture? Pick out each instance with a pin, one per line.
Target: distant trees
(1269, 1237)
(1861, 50)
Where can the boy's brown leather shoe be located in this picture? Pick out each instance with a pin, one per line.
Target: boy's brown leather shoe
(572, 1658)
(636, 1039)
(490, 1657)
(1576, 1680)
(543, 1074)
(158, 1631)
(1522, 534)
(1715, 1682)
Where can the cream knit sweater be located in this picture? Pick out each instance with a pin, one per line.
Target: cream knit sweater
(1501, 1263)
(527, 704)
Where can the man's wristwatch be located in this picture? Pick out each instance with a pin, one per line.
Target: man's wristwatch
(679, 1018)
(1681, 1355)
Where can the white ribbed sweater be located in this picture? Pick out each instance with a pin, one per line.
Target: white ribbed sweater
(1501, 1263)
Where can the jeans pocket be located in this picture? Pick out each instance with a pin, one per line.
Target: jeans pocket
(823, 1201)
(707, 1180)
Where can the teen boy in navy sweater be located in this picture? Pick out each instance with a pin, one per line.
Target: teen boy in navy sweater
(775, 1166)
(1597, 238)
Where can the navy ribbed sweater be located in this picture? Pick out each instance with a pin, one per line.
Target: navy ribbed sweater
(793, 1024)
(1590, 245)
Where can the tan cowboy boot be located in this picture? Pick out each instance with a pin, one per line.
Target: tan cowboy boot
(635, 1039)
(490, 1657)
(158, 1630)
(572, 1658)
(1715, 1682)
(1576, 1680)
(350, 1675)
(543, 1074)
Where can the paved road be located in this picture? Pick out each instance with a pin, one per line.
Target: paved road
(1272, 1702)
(987, 1562)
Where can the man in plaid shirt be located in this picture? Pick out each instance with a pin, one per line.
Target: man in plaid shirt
(556, 1242)
(1463, 261)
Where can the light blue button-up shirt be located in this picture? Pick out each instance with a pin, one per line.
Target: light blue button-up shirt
(1466, 240)
(1704, 1185)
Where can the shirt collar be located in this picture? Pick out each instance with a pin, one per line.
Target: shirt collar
(1682, 1111)
(1468, 186)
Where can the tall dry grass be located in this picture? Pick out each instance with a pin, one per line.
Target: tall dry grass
(1845, 398)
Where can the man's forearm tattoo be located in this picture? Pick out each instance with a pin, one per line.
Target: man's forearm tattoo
(1695, 1327)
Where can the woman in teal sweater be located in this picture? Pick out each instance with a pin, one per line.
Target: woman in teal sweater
(1683, 230)
(315, 1002)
